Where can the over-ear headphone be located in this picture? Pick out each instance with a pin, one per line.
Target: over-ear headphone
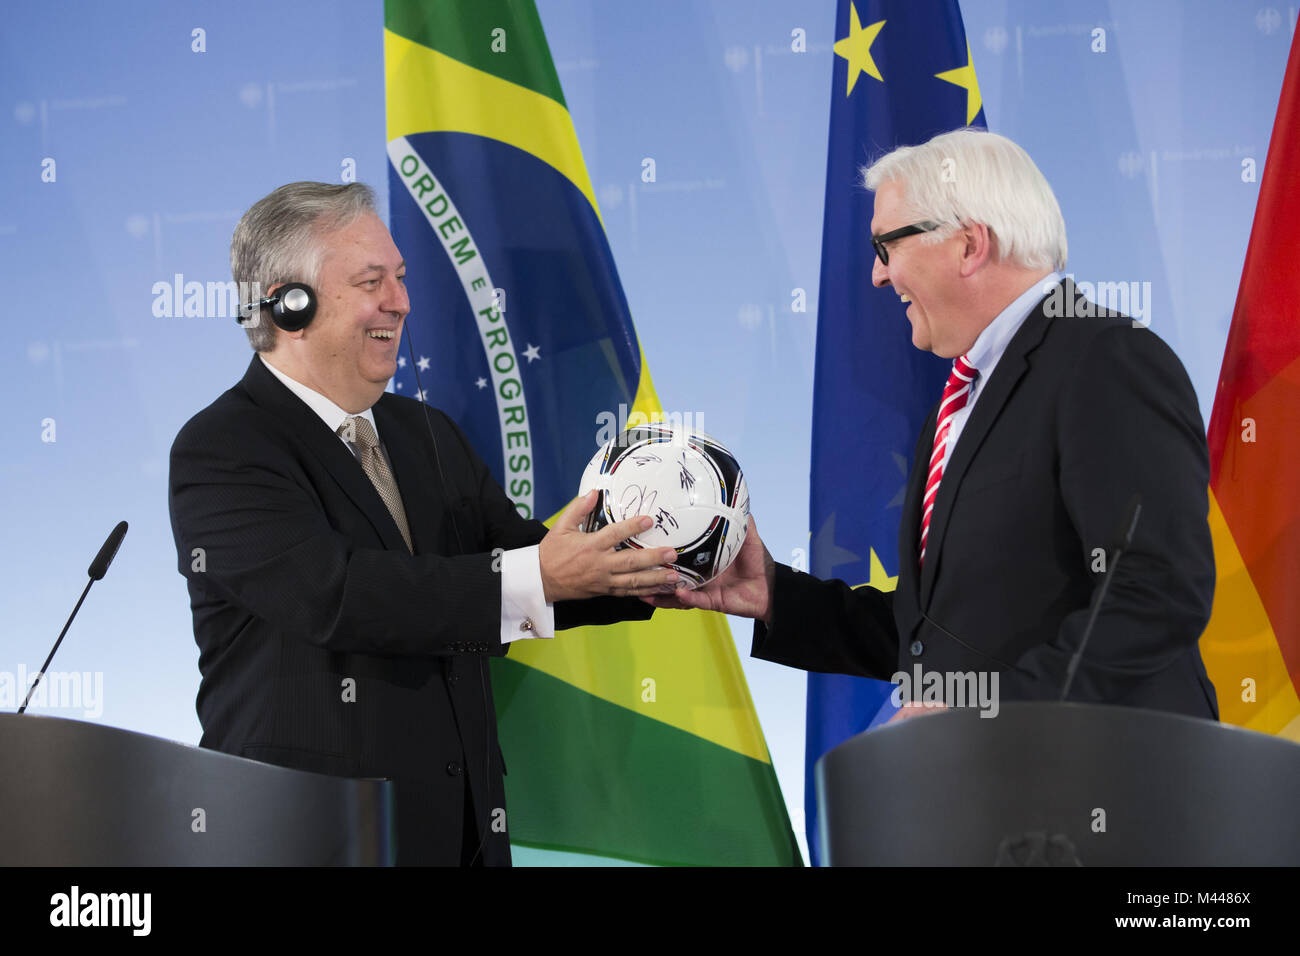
(292, 307)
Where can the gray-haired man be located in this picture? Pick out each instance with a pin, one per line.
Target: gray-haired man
(356, 575)
(1047, 429)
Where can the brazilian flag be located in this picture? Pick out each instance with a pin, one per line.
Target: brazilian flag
(637, 742)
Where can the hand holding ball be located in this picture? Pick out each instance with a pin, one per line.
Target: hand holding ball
(687, 481)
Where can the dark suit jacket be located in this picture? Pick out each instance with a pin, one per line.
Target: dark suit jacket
(324, 644)
(1079, 414)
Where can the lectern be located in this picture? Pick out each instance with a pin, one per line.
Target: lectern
(1060, 784)
(80, 794)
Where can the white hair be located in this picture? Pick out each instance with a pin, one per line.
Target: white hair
(971, 175)
(278, 239)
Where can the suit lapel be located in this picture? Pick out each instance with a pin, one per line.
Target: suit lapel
(412, 473)
(270, 393)
(909, 528)
(988, 408)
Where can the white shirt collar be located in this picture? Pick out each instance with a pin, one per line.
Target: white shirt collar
(997, 335)
(330, 414)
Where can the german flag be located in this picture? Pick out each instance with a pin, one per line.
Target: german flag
(1252, 644)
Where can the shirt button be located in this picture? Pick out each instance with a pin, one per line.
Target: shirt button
(916, 648)
(527, 624)
(453, 769)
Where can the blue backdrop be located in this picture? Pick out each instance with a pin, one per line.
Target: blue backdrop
(133, 135)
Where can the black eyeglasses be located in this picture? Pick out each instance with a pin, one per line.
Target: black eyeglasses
(879, 241)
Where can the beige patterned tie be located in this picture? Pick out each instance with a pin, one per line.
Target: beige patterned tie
(357, 431)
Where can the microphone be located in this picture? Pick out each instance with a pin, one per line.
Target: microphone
(98, 568)
(1125, 536)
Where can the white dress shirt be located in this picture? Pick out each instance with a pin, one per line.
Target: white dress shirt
(989, 348)
(525, 612)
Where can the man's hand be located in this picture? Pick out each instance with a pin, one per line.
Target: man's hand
(744, 589)
(916, 709)
(575, 564)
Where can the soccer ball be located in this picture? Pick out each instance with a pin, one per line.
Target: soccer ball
(687, 481)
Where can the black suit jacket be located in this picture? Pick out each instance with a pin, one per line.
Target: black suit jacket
(1078, 415)
(324, 644)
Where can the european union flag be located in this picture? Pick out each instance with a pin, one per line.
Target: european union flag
(902, 74)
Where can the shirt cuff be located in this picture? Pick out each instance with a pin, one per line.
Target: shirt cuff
(524, 611)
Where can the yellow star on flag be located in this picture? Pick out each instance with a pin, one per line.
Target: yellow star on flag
(964, 76)
(856, 48)
(880, 580)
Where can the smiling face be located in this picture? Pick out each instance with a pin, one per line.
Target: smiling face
(349, 351)
(927, 275)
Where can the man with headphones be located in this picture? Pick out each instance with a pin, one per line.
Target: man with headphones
(350, 560)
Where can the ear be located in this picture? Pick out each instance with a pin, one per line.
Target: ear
(977, 248)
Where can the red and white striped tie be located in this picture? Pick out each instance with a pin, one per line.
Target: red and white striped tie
(955, 395)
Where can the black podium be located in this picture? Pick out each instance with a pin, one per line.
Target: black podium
(80, 794)
(1060, 784)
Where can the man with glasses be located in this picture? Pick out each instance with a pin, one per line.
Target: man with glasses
(1049, 430)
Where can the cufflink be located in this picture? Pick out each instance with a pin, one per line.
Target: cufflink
(527, 625)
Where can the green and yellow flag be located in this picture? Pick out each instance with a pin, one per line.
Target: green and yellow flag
(639, 741)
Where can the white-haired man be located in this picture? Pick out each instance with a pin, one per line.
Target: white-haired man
(349, 577)
(1023, 474)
